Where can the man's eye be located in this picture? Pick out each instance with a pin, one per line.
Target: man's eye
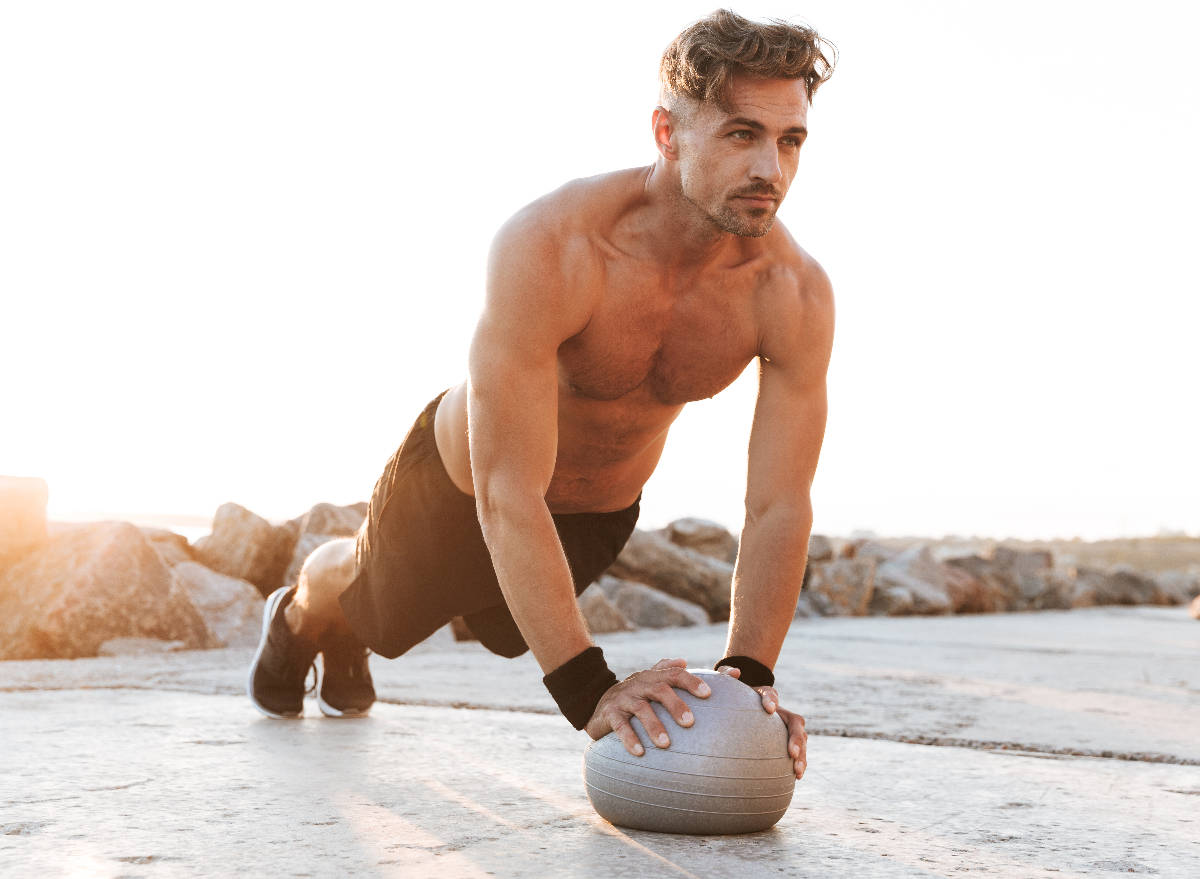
(742, 135)
(791, 141)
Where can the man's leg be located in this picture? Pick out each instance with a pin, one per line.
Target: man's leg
(306, 620)
(326, 574)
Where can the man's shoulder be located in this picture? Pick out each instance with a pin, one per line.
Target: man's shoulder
(791, 273)
(577, 211)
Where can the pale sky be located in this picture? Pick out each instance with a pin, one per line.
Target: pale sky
(241, 244)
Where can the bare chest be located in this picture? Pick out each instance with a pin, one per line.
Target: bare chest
(663, 346)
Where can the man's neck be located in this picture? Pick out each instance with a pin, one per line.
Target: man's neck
(673, 229)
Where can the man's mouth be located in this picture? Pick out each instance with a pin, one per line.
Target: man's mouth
(758, 199)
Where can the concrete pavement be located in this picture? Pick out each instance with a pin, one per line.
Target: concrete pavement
(158, 766)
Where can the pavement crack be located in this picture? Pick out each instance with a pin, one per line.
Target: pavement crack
(1015, 749)
(93, 790)
(468, 706)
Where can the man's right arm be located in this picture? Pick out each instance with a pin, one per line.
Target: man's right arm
(513, 431)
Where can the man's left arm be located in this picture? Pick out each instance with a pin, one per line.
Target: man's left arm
(785, 443)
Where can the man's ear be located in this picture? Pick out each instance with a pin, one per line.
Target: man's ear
(664, 133)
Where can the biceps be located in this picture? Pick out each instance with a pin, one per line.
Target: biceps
(512, 415)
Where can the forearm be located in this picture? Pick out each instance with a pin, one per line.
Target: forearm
(766, 584)
(534, 577)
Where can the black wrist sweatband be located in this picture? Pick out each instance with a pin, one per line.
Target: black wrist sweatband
(754, 673)
(578, 685)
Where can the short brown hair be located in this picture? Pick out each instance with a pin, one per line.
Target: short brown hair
(700, 62)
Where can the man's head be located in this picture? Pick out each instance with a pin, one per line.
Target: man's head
(736, 94)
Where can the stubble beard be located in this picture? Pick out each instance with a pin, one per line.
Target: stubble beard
(726, 219)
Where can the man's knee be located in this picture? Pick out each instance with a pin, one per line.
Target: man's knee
(331, 566)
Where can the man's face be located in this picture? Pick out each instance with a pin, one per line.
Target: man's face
(737, 167)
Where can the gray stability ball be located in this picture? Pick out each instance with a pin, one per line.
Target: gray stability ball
(729, 772)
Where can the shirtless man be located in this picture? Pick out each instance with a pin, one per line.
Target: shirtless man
(611, 303)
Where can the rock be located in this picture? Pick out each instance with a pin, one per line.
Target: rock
(913, 582)
(304, 548)
(869, 549)
(89, 585)
(1194, 609)
(137, 647)
(705, 537)
(966, 593)
(841, 588)
(804, 608)
(22, 517)
(172, 548)
(1053, 590)
(248, 547)
(684, 573)
(648, 608)
(232, 608)
(461, 630)
(1008, 581)
(332, 519)
(1178, 587)
(820, 548)
(600, 614)
(1118, 585)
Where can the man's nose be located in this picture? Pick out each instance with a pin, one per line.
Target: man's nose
(766, 165)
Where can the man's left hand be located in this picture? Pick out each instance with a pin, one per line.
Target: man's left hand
(797, 736)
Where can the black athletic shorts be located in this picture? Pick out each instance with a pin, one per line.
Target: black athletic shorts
(422, 560)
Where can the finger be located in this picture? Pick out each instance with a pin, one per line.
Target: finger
(666, 696)
(798, 744)
(730, 670)
(624, 730)
(670, 663)
(654, 728)
(770, 699)
(685, 680)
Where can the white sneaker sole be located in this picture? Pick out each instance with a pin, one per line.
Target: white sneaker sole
(268, 614)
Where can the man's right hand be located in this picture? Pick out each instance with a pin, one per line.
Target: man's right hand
(632, 697)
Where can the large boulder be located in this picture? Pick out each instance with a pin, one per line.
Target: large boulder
(172, 548)
(600, 614)
(1118, 585)
(648, 608)
(1178, 587)
(332, 519)
(89, 585)
(461, 631)
(248, 547)
(839, 588)
(1010, 580)
(22, 517)
(705, 537)
(684, 573)
(304, 548)
(232, 608)
(820, 548)
(913, 582)
(967, 594)
(869, 549)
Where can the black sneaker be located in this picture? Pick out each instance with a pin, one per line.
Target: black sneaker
(276, 681)
(344, 687)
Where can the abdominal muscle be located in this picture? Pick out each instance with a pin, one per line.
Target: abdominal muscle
(599, 468)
